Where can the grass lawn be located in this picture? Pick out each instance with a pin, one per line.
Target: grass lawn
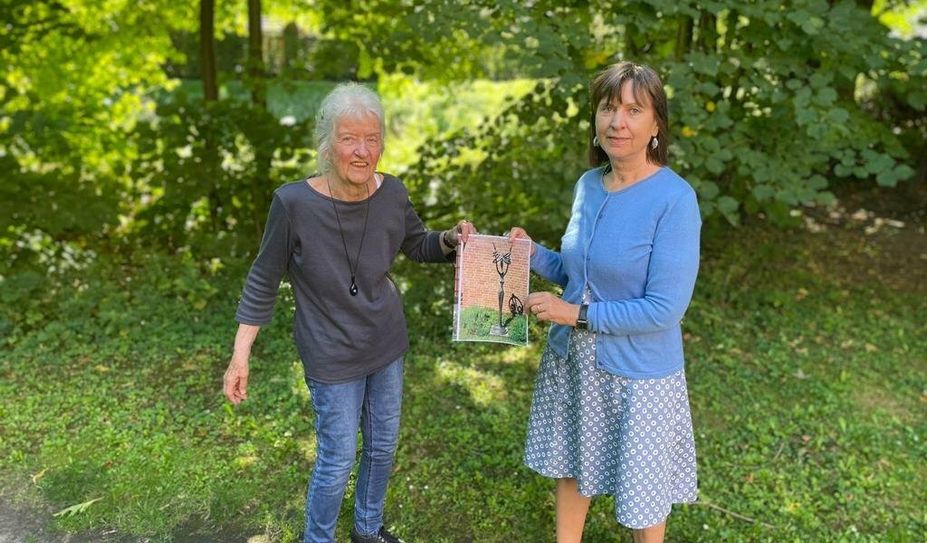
(807, 368)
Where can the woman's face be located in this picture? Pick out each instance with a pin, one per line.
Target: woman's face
(356, 149)
(625, 126)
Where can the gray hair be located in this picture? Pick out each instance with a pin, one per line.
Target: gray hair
(345, 100)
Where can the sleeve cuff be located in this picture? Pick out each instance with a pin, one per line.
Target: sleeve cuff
(591, 317)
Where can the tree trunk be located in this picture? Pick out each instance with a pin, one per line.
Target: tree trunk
(708, 32)
(683, 37)
(256, 55)
(632, 51)
(210, 95)
(263, 155)
(208, 50)
(291, 47)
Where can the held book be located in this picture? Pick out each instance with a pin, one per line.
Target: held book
(491, 289)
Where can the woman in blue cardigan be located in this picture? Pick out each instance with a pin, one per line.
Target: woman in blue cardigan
(610, 413)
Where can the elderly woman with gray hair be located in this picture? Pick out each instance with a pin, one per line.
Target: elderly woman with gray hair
(335, 235)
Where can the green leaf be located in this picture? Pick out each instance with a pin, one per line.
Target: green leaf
(708, 190)
(805, 116)
(887, 178)
(727, 204)
(714, 165)
(838, 116)
(904, 172)
(76, 509)
(763, 192)
(918, 100)
(728, 208)
(818, 80)
(825, 96)
(825, 198)
(817, 182)
(365, 64)
(708, 88)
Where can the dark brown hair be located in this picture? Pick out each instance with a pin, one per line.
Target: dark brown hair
(645, 82)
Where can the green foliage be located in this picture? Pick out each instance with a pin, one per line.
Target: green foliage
(204, 171)
(769, 125)
(486, 173)
(476, 322)
(771, 109)
(766, 110)
(69, 95)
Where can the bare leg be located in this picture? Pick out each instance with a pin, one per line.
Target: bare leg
(650, 534)
(571, 511)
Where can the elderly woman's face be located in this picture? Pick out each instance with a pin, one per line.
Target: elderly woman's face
(625, 126)
(356, 149)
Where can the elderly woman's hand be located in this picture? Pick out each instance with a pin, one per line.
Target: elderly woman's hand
(235, 380)
(459, 234)
(517, 232)
(550, 307)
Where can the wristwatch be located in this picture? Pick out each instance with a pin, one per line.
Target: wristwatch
(581, 322)
(446, 241)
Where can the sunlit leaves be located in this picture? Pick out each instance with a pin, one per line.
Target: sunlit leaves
(766, 102)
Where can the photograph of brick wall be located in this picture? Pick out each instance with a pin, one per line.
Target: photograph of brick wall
(476, 311)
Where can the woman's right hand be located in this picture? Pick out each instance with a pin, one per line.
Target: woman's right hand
(235, 381)
(517, 232)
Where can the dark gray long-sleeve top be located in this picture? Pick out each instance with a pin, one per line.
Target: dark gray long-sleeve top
(339, 337)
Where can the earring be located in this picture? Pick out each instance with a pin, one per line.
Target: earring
(595, 141)
(654, 143)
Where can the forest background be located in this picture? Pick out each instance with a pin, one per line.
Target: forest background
(140, 142)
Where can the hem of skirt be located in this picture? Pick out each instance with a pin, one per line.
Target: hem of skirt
(636, 526)
(550, 474)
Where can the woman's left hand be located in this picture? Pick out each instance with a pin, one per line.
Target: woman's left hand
(549, 307)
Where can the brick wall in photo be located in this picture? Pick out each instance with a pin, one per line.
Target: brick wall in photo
(481, 287)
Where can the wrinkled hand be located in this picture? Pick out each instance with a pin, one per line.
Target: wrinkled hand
(461, 232)
(549, 307)
(517, 232)
(235, 381)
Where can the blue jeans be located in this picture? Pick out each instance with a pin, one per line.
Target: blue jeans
(374, 404)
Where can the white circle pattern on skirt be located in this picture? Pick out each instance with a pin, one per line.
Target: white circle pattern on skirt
(629, 438)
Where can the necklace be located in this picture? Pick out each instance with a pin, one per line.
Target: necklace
(351, 268)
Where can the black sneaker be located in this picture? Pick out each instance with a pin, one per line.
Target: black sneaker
(383, 536)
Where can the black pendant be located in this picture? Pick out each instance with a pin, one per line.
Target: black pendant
(353, 288)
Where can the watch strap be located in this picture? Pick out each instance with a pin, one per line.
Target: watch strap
(582, 322)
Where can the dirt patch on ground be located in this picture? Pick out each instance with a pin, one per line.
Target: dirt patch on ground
(24, 517)
(875, 234)
(22, 524)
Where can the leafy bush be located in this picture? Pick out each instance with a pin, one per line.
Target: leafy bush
(771, 108)
(476, 322)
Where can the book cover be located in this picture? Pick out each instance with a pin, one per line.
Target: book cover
(491, 288)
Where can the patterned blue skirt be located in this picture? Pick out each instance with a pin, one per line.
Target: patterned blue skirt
(629, 438)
